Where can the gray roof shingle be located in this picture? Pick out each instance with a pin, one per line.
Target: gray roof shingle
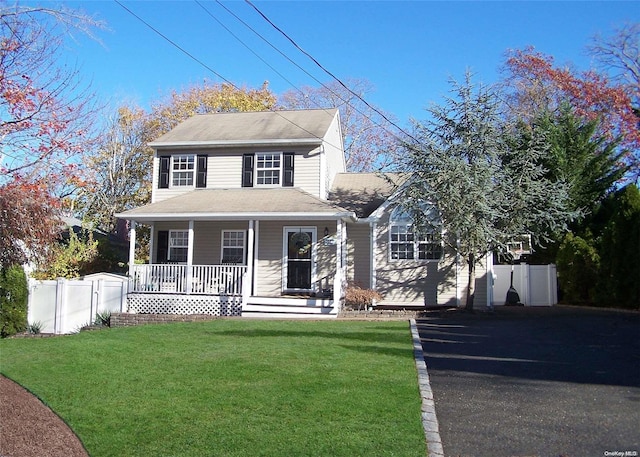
(241, 203)
(363, 193)
(248, 127)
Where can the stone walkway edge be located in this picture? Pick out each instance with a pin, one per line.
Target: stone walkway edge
(428, 410)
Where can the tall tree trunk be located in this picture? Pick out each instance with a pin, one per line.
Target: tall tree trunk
(471, 286)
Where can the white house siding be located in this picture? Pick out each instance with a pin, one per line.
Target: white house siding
(224, 169)
(412, 282)
(359, 255)
(269, 263)
(480, 299)
(207, 238)
(334, 155)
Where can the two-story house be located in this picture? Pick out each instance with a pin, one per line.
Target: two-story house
(253, 213)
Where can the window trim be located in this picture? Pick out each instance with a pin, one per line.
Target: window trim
(173, 171)
(397, 219)
(171, 246)
(257, 169)
(244, 246)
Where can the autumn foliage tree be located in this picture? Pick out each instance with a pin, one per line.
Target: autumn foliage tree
(44, 118)
(536, 85)
(117, 173)
(368, 140)
(28, 222)
(206, 98)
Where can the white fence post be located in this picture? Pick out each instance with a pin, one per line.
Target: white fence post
(63, 306)
(59, 305)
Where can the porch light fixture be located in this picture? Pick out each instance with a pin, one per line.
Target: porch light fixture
(326, 231)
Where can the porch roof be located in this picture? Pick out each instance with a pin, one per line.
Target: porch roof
(260, 127)
(239, 204)
(363, 193)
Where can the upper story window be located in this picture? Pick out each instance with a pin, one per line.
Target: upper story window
(182, 170)
(268, 169)
(405, 244)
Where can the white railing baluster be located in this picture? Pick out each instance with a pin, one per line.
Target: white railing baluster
(205, 279)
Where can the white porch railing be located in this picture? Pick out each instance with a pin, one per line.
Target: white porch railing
(183, 279)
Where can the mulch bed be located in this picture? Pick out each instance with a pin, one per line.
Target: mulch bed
(28, 428)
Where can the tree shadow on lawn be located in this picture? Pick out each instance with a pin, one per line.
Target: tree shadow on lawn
(566, 345)
(390, 335)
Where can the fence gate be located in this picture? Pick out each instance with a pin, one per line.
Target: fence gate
(64, 306)
(537, 285)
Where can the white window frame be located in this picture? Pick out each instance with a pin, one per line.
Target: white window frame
(178, 240)
(401, 233)
(223, 245)
(275, 156)
(189, 169)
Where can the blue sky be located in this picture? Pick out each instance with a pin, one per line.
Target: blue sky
(407, 50)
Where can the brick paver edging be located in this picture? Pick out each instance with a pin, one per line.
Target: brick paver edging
(429, 419)
(129, 320)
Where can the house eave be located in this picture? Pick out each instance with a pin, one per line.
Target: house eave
(235, 143)
(163, 217)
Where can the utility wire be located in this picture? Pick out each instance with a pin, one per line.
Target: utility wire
(315, 61)
(329, 89)
(191, 56)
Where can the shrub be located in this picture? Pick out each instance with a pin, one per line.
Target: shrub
(578, 266)
(103, 319)
(14, 295)
(359, 298)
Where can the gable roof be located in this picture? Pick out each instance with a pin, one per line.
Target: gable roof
(258, 127)
(238, 204)
(363, 193)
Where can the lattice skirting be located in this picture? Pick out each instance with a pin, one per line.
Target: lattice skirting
(214, 305)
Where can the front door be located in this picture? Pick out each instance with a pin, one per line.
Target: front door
(299, 255)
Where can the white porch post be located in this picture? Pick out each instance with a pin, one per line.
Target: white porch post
(189, 284)
(374, 247)
(132, 245)
(250, 259)
(152, 242)
(337, 283)
(254, 273)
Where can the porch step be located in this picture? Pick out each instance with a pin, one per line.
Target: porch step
(288, 308)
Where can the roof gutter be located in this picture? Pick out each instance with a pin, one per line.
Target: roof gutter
(155, 217)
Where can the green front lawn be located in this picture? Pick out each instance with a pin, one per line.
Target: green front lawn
(230, 388)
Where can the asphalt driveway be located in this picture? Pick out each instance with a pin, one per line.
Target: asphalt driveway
(558, 381)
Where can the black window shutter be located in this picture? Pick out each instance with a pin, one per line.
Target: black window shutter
(162, 252)
(287, 170)
(247, 170)
(201, 171)
(163, 179)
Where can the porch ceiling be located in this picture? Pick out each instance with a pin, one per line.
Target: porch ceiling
(241, 203)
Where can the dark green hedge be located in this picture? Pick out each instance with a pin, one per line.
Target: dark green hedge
(600, 265)
(14, 295)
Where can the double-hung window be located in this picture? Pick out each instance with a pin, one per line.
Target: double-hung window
(233, 247)
(182, 170)
(405, 244)
(268, 167)
(178, 245)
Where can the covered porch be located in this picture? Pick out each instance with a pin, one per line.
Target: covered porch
(287, 264)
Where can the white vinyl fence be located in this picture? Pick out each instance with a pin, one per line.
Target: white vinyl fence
(537, 285)
(64, 306)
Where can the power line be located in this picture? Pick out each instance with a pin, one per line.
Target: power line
(315, 61)
(191, 56)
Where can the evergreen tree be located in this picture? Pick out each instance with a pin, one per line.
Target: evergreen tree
(485, 178)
